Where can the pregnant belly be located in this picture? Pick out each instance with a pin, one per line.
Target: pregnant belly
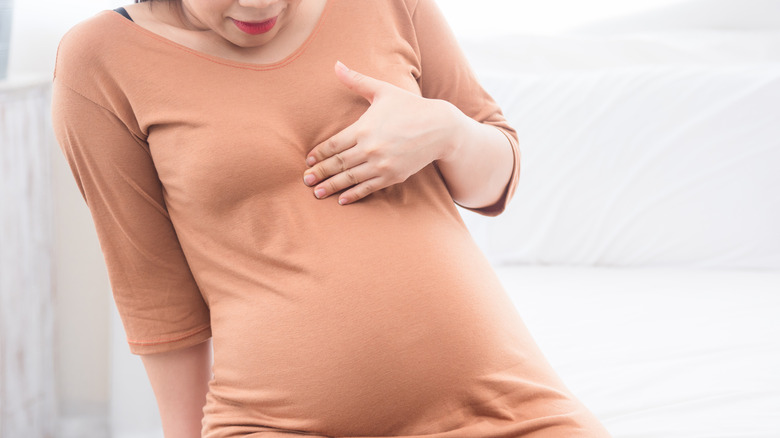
(367, 349)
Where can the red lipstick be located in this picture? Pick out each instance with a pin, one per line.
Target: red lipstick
(255, 28)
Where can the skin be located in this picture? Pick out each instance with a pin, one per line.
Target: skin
(397, 136)
(400, 134)
(179, 379)
(206, 25)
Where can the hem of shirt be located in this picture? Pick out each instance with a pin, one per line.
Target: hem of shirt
(188, 339)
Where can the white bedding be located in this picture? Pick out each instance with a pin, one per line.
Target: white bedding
(660, 352)
(642, 248)
(668, 162)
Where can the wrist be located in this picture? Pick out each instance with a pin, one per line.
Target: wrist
(459, 133)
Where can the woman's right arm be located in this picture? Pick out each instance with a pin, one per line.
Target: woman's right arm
(179, 380)
(165, 316)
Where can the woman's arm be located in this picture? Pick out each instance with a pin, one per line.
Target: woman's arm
(478, 165)
(452, 122)
(400, 134)
(165, 316)
(179, 380)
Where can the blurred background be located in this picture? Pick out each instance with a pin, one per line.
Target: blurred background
(650, 130)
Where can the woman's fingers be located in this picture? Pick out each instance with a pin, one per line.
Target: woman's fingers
(335, 164)
(343, 140)
(349, 177)
(399, 134)
(361, 190)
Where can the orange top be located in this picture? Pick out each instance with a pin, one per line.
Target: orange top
(379, 318)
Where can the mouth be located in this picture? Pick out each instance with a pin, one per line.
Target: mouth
(255, 28)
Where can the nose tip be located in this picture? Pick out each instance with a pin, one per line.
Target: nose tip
(257, 3)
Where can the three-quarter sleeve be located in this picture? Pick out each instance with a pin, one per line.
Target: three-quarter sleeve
(158, 300)
(445, 74)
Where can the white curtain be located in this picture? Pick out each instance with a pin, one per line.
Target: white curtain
(27, 386)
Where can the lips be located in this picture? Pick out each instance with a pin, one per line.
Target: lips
(255, 28)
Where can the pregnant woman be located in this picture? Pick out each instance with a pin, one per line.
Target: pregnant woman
(275, 181)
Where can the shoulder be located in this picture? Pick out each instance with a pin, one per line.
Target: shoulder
(89, 47)
(97, 58)
(87, 39)
(414, 12)
(90, 55)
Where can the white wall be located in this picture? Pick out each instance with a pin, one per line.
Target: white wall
(83, 301)
(39, 25)
(492, 17)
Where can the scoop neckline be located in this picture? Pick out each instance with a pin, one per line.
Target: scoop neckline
(226, 61)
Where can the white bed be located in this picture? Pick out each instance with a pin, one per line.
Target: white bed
(642, 248)
(660, 352)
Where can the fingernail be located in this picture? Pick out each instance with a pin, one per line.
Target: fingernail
(341, 66)
(310, 161)
(342, 201)
(308, 179)
(319, 193)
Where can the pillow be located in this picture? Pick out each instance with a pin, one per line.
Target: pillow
(540, 54)
(635, 165)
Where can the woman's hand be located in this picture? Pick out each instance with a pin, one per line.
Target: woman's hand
(397, 136)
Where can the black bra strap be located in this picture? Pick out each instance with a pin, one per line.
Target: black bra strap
(123, 12)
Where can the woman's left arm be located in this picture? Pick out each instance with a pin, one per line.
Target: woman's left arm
(400, 134)
(453, 123)
(478, 167)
